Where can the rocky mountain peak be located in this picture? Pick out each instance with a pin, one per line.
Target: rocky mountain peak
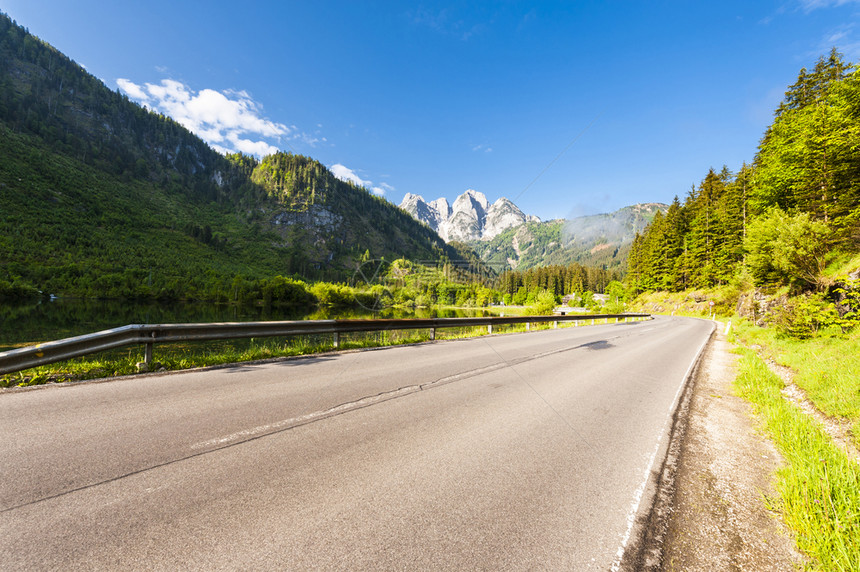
(471, 217)
(476, 199)
(442, 207)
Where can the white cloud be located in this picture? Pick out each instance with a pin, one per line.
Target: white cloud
(806, 6)
(229, 121)
(346, 174)
(834, 38)
(850, 50)
(248, 147)
(810, 5)
(132, 90)
(446, 22)
(843, 39)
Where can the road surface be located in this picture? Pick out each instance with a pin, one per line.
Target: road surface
(506, 452)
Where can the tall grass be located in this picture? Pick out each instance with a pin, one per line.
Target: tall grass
(201, 354)
(826, 367)
(167, 357)
(819, 488)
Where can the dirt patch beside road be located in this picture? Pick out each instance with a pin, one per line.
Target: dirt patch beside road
(718, 519)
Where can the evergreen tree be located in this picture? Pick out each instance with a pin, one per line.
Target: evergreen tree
(731, 208)
(807, 161)
(674, 244)
(705, 229)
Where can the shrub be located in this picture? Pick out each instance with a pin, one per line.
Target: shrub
(847, 298)
(17, 290)
(285, 291)
(545, 302)
(337, 295)
(803, 316)
(787, 248)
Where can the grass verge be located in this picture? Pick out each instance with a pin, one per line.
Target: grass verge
(826, 367)
(191, 355)
(819, 488)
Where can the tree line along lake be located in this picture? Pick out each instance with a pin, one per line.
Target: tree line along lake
(45, 320)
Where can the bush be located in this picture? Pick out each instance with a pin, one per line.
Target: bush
(788, 249)
(423, 301)
(847, 298)
(404, 296)
(545, 303)
(802, 317)
(337, 295)
(286, 291)
(17, 290)
(616, 292)
(521, 296)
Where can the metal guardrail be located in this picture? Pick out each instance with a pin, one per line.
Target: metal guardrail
(149, 335)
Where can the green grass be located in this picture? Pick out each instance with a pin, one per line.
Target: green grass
(201, 354)
(819, 487)
(169, 357)
(826, 367)
(842, 264)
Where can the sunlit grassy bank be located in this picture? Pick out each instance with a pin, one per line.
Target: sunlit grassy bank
(689, 303)
(827, 368)
(819, 487)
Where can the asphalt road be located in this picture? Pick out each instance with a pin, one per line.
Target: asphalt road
(508, 452)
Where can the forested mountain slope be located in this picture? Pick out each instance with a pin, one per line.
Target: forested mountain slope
(783, 218)
(601, 240)
(101, 197)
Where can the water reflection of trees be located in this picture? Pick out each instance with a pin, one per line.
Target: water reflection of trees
(63, 318)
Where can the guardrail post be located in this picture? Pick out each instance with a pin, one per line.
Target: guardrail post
(490, 329)
(336, 339)
(555, 325)
(147, 352)
(432, 334)
(528, 326)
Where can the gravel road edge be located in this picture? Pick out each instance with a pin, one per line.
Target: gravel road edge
(710, 510)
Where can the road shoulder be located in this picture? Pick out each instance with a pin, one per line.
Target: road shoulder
(718, 518)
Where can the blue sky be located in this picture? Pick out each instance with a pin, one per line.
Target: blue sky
(567, 108)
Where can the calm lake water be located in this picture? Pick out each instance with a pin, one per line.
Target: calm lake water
(64, 318)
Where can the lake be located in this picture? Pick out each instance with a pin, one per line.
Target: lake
(47, 320)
